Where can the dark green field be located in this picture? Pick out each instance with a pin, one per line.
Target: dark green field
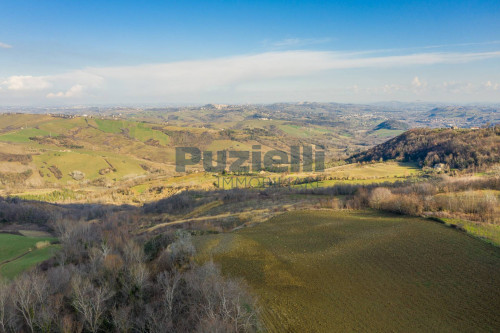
(325, 271)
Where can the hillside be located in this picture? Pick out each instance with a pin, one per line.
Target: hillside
(460, 149)
(392, 125)
(43, 153)
(457, 115)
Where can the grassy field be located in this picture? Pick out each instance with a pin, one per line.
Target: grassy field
(375, 170)
(486, 231)
(346, 174)
(19, 253)
(136, 130)
(333, 271)
(88, 162)
(22, 135)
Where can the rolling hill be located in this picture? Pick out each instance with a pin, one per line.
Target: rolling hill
(457, 148)
(392, 125)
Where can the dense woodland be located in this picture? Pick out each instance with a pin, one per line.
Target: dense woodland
(457, 148)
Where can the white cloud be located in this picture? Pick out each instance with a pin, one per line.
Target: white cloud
(418, 85)
(75, 91)
(491, 86)
(26, 82)
(416, 82)
(459, 87)
(391, 88)
(229, 78)
(207, 74)
(5, 46)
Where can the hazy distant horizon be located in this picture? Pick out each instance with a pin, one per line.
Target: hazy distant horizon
(6, 108)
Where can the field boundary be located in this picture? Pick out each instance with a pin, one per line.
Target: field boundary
(14, 259)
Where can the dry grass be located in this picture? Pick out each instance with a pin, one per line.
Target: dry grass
(42, 245)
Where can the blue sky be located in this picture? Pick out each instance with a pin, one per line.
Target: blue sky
(105, 52)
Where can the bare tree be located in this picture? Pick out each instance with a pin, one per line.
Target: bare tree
(4, 305)
(133, 253)
(169, 283)
(379, 196)
(121, 318)
(182, 250)
(155, 319)
(139, 275)
(223, 304)
(96, 257)
(90, 301)
(69, 324)
(30, 295)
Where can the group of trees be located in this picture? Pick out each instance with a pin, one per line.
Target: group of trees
(464, 197)
(102, 279)
(17, 210)
(459, 149)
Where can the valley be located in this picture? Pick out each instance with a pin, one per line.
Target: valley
(389, 235)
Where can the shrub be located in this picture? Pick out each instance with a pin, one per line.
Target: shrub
(409, 204)
(378, 196)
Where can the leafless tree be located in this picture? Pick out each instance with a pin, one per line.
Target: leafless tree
(96, 257)
(30, 296)
(155, 319)
(133, 253)
(378, 196)
(222, 301)
(69, 324)
(182, 250)
(4, 305)
(139, 275)
(169, 283)
(90, 301)
(121, 318)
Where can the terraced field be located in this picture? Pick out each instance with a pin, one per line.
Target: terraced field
(334, 271)
(19, 253)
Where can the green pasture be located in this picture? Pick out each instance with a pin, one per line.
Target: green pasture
(23, 252)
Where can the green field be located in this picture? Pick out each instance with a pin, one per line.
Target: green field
(486, 231)
(89, 162)
(136, 130)
(375, 170)
(23, 135)
(18, 253)
(334, 271)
